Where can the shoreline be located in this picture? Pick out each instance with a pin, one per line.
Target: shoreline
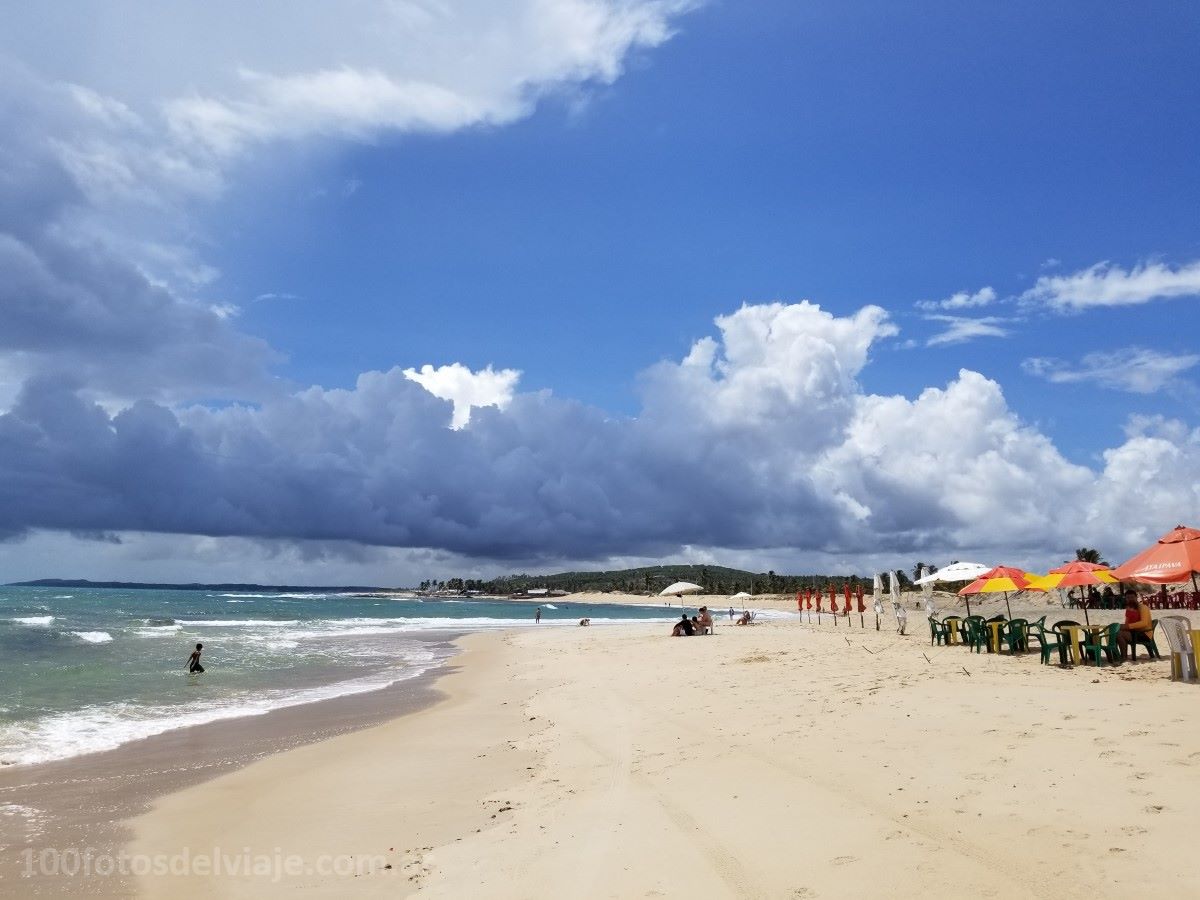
(85, 801)
(383, 795)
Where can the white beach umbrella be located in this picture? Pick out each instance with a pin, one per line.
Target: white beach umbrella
(926, 586)
(739, 595)
(680, 588)
(959, 571)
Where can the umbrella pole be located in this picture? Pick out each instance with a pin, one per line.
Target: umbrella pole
(1006, 606)
(967, 597)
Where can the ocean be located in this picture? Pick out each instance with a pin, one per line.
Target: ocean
(89, 669)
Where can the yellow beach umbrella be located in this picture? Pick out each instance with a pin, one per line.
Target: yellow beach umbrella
(999, 580)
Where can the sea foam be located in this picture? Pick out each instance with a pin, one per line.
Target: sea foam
(93, 637)
(106, 727)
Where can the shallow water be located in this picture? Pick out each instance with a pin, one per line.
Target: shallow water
(84, 670)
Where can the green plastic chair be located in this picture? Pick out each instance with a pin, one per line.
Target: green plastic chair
(946, 624)
(938, 633)
(1103, 642)
(1013, 634)
(1058, 629)
(1146, 640)
(974, 632)
(1047, 641)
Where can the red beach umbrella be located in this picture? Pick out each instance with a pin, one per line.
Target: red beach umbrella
(832, 599)
(1175, 558)
(846, 594)
(862, 607)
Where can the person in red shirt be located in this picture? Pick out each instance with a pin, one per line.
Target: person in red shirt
(1137, 620)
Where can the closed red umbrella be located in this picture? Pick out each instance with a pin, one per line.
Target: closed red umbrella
(846, 594)
(1175, 558)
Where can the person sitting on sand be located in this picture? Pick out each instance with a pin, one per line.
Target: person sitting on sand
(683, 628)
(706, 621)
(585, 622)
(744, 618)
(193, 663)
(1138, 622)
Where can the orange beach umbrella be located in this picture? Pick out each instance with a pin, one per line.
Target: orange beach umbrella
(1175, 558)
(1075, 574)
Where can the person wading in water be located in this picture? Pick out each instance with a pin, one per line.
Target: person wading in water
(193, 663)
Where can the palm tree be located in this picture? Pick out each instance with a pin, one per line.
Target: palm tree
(1090, 555)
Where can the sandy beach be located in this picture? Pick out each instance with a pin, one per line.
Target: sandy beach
(781, 760)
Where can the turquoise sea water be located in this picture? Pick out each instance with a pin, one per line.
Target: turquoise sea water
(90, 669)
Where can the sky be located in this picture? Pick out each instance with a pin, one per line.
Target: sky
(396, 290)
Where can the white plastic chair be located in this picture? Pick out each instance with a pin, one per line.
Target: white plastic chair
(1183, 657)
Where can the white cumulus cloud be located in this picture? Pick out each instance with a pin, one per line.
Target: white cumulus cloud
(466, 389)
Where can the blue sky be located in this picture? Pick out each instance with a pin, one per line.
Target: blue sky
(858, 154)
(578, 190)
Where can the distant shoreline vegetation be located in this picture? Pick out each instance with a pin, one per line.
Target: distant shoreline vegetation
(652, 579)
(644, 580)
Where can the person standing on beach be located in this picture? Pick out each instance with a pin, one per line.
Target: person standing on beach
(537, 616)
(193, 663)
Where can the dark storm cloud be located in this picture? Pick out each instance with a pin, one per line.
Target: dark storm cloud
(378, 465)
(71, 303)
